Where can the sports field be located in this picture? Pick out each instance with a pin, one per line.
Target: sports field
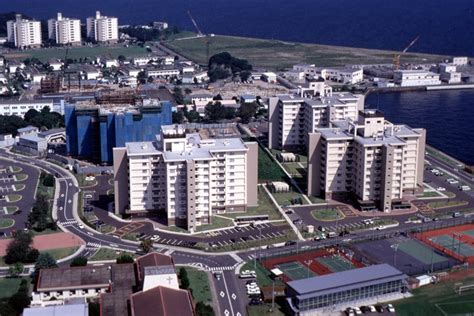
(295, 270)
(452, 243)
(420, 252)
(336, 263)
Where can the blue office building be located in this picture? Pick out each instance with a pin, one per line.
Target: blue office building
(92, 132)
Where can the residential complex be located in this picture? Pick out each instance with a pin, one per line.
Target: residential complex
(188, 174)
(102, 29)
(24, 33)
(292, 117)
(370, 159)
(64, 30)
(310, 296)
(93, 130)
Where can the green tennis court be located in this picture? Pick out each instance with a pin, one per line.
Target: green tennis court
(295, 270)
(335, 263)
(470, 233)
(420, 252)
(453, 244)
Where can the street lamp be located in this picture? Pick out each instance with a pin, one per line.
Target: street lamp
(308, 263)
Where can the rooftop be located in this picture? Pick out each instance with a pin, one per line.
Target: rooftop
(354, 278)
(74, 278)
(68, 309)
(162, 301)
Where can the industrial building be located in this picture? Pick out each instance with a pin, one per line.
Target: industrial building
(24, 33)
(188, 174)
(371, 160)
(415, 78)
(292, 117)
(93, 130)
(102, 29)
(336, 290)
(64, 30)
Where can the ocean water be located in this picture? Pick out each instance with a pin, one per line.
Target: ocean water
(445, 27)
(448, 117)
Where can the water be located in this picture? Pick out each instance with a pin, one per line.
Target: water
(448, 117)
(443, 25)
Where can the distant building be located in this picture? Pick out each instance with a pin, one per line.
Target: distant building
(64, 30)
(415, 78)
(342, 289)
(24, 33)
(292, 117)
(189, 174)
(269, 77)
(448, 73)
(102, 29)
(460, 61)
(164, 72)
(160, 25)
(93, 131)
(347, 75)
(73, 307)
(372, 160)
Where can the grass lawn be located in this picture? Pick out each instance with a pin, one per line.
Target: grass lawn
(19, 187)
(9, 286)
(16, 169)
(107, 229)
(285, 198)
(6, 222)
(443, 204)
(107, 254)
(295, 170)
(10, 209)
(316, 200)
(81, 179)
(430, 194)
(13, 198)
(263, 275)
(265, 207)
(217, 222)
(268, 170)
(274, 54)
(61, 252)
(437, 300)
(264, 309)
(131, 236)
(199, 285)
(327, 215)
(46, 54)
(21, 177)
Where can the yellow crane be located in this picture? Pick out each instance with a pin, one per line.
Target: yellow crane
(396, 58)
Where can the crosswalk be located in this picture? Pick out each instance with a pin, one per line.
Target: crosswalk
(228, 268)
(68, 223)
(213, 269)
(93, 245)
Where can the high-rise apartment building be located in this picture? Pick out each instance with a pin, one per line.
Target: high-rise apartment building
(372, 160)
(24, 33)
(292, 117)
(64, 30)
(188, 174)
(102, 29)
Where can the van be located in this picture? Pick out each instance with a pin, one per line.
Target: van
(464, 188)
(331, 234)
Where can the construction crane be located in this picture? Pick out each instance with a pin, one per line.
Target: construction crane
(396, 59)
(201, 34)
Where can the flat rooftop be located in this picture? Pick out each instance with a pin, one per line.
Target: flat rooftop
(74, 278)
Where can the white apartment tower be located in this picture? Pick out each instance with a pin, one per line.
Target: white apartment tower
(292, 117)
(24, 33)
(64, 30)
(186, 175)
(102, 29)
(372, 160)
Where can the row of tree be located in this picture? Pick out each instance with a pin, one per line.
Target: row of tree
(45, 119)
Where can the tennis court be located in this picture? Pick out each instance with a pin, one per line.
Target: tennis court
(470, 233)
(336, 263)
(453, 244)
(295, 270)
(420, 252)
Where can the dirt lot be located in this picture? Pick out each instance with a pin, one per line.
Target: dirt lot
(230, 89)
(48, 242)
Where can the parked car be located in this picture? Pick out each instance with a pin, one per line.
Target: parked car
(349, 312)
(390, 308)
(155, 237)
(218, 275)
(441, 189)
(379, 308)
(357, 311)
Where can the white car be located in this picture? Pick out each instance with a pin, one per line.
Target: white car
(441, 189)
(155, 237)
(390, 308)
(357, 311)
(372, 308)
(81, 226)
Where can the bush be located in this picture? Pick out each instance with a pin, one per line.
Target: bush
(48, 179)
(183, 275)
(124, 258)
(204, 309)
(79, 262)
(20, 250)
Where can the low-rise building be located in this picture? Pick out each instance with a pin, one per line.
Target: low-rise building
(189, 174)
(75, 307)
(342, 289)
(269, 77)
(346, 75)
(160, 25)
(163, 72)
(460, 61)
(371, 160)
(415, 78)
(143, 60)
(20, 107)
(448, 73)
(195, 78)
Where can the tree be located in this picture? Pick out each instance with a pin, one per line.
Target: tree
(183, 275)
(20, 299)
(178, 117)
(31, 114)
(10, 123)
(223, 65)
(146, 245)
(121, 58)
(178, 95)
(247, 111)
(20, 250)
(45, 261)
(79, 262)
(141, 77)
(124, 258)
(204, 309)
(39, 217)
(47, 179)
(216, 112)
(245, 75)
(15, 270)
(188, 91)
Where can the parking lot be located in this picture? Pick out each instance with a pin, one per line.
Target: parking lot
(17, 194)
